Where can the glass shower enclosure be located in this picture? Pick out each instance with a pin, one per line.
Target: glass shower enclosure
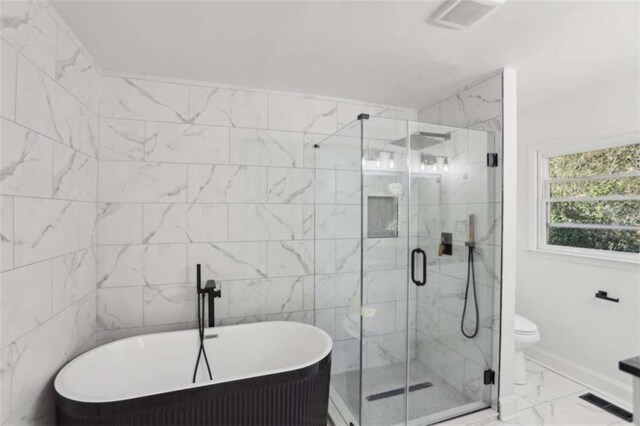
(407, 268)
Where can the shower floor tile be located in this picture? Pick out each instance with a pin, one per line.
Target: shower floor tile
(391, 410)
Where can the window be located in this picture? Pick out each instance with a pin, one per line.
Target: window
(589, 200)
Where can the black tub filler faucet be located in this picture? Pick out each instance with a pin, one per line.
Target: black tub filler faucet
(209, 291)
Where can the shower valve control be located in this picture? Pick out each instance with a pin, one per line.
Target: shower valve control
(446, 244)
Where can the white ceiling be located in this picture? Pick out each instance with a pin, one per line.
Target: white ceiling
(381, 51)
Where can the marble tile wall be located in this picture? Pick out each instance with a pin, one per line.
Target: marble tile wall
(48, 187)
(192, 173)
(468, 188)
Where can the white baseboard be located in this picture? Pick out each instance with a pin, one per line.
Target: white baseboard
(508, 408)
(621, 393)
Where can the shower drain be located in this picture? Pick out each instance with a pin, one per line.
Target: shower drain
(398, 391)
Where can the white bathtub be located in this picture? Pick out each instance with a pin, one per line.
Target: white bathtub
(139, 368)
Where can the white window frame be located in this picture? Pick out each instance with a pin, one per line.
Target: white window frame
(542, 156)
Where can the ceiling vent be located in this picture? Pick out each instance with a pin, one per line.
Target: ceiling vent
(461, 14)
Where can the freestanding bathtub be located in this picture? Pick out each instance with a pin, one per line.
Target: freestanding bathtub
(269, 373)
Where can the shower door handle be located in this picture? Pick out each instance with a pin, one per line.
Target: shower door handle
(415, 252)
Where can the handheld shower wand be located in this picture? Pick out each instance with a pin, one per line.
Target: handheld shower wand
(201, 293)
(471, 278)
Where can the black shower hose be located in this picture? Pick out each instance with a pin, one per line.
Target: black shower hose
(471, 276)
(201, 351)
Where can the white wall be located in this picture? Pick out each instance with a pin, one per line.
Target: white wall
(581, 335)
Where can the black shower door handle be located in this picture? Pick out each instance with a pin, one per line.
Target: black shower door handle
(414, 252)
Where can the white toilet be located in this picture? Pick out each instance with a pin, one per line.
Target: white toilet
(526, 334)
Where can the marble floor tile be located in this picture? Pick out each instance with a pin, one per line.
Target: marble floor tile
(523, 403)
(544, 385)
(553, 400)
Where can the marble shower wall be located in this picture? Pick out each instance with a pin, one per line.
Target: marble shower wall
(48, 186)
(192, 172)
(470, 187)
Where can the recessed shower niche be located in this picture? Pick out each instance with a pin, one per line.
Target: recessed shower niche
(382, 217)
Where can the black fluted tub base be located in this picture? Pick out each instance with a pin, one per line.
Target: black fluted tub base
(295, 398)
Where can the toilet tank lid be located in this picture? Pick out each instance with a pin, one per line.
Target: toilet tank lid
(523, 325)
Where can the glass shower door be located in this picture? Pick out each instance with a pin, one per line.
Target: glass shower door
(453, 194)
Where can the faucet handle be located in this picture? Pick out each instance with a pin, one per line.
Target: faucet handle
(211, 287)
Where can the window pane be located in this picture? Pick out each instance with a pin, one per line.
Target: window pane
(599, 239)
(621, 159)
(597, 188)
(597, 212)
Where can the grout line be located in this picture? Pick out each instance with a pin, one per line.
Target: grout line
(15, 94)
(52, 78)
(143, 305)
(13, 237)
(47, 259)
(49, 138)
(189, 104)
(51, 285)
(48, 320)
(55, 49)
(213, 85)
(303, 132)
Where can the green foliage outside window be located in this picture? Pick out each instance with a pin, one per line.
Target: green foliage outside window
(618, 160)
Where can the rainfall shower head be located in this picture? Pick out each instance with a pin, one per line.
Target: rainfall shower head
(422, 140)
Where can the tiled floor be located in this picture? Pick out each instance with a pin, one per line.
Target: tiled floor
(551, 399)
(548, 399)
